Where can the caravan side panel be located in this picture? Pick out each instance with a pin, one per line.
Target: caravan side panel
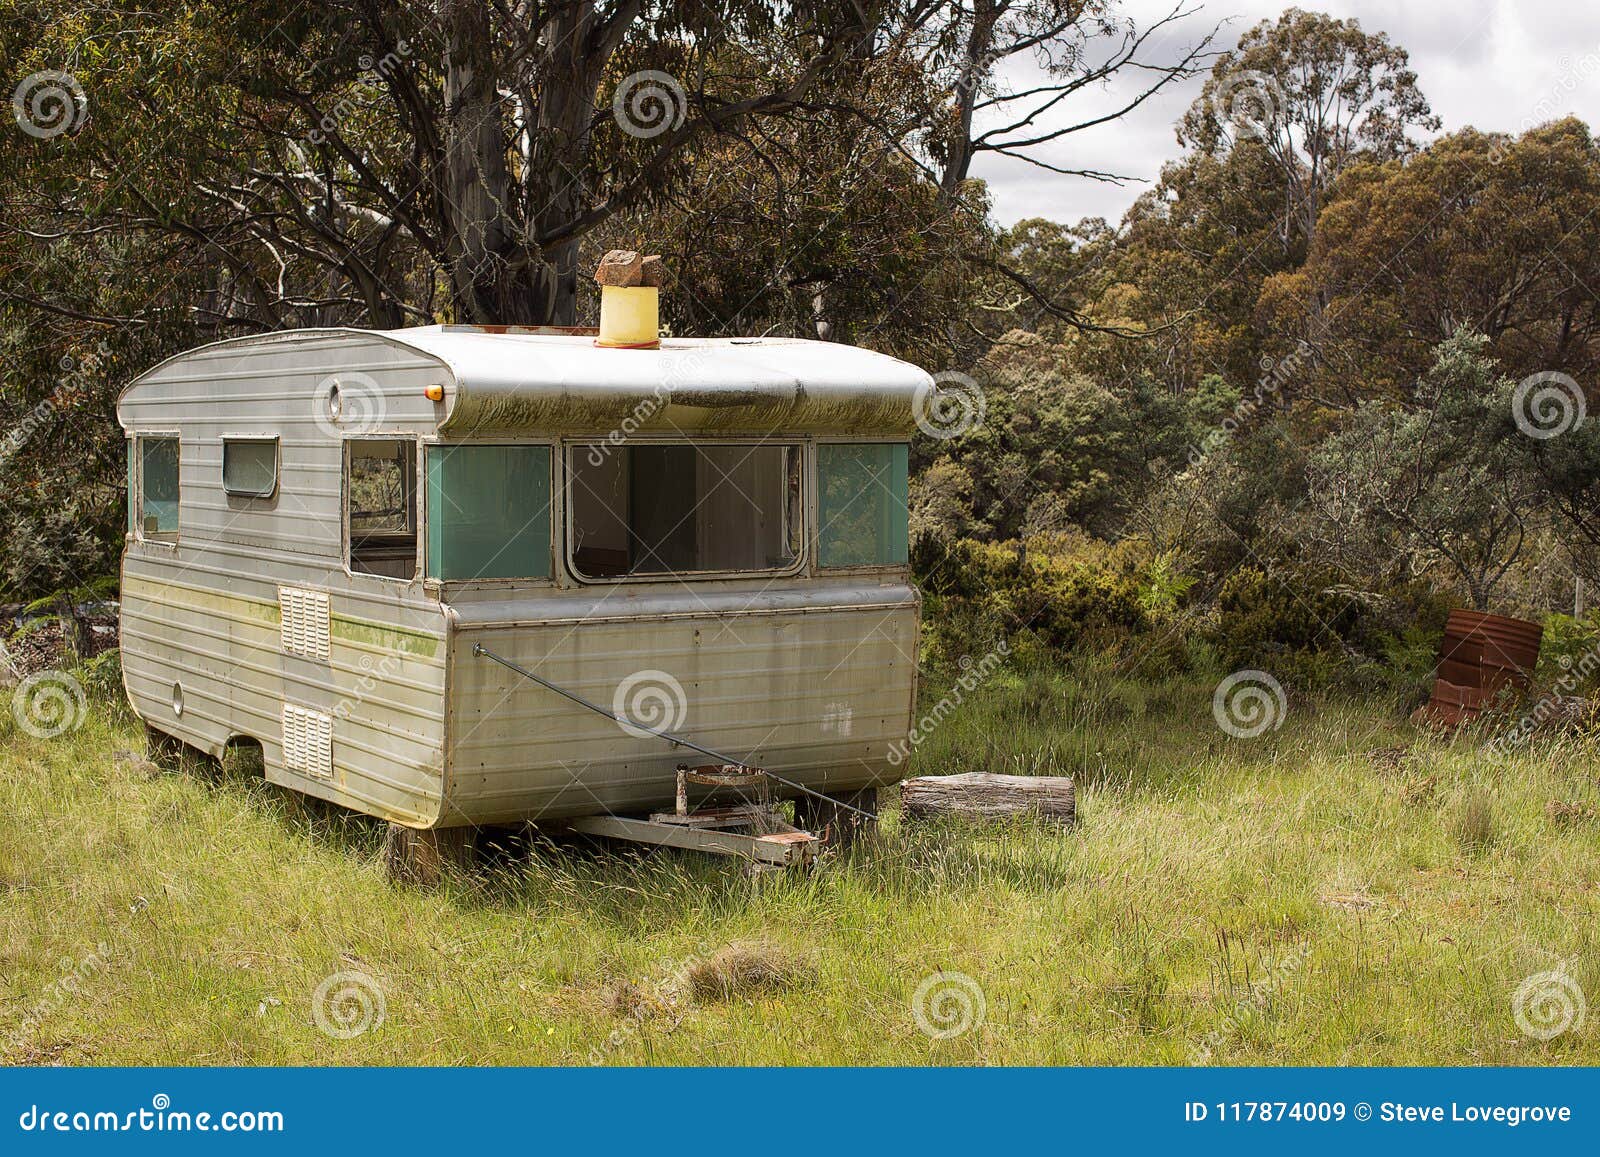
(249, 625)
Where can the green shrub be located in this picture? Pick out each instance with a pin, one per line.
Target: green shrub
(1046, 603)
(101, 677)
(1569, 654)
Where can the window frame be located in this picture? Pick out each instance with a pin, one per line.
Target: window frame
(816, 513)
(136, 500)
(416, 502)
(802, 561)
(277, 464)
(551, 444)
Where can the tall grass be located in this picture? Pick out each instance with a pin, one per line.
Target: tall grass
(1288, 899)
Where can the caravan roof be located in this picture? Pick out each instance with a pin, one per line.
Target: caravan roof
(504, 379)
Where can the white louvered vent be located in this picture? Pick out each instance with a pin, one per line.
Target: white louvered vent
(305, 622)
(307, 741)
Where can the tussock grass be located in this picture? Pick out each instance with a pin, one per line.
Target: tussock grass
(1288, 899)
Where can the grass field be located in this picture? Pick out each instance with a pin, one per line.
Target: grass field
(1292, 898)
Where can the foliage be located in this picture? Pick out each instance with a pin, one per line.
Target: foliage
(1050, 596)
(1445, 481)
(1484, 226)
(1315, 94)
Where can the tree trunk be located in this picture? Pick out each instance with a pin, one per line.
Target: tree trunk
(980, 795)
(487, 251)
(421, 857)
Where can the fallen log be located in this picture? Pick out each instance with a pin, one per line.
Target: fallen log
(981, 795)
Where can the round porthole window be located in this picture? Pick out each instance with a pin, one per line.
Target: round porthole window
(177, 699)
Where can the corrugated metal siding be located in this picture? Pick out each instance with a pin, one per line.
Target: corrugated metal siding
(205, 613)
(815, 693)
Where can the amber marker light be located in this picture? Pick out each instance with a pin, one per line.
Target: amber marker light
(435, 392)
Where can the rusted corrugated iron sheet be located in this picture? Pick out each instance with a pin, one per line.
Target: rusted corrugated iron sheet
(1479, 656)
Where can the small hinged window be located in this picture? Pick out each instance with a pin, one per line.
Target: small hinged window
(381, 506)
(158, 487)
(250, 467)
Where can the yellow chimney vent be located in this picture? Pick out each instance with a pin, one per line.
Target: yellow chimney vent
(630, 300)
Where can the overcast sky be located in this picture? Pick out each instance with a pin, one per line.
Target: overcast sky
(1493, 64)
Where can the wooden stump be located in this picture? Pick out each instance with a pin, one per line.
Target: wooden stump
(980, 795)
(838, 827)
(419, 856)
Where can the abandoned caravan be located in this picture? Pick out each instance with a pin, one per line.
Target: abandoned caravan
(457, 576)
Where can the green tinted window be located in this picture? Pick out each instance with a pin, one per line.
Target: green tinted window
(862, 505)
(488, 512)
(158, 492)
(250, 467)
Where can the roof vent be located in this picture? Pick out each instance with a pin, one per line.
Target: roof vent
(630, 300)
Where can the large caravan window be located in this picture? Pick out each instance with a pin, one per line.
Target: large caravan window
(158, 487)
(861, 504)
(381, 489)
(684, 509)
(488, 512)
(250, 467)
